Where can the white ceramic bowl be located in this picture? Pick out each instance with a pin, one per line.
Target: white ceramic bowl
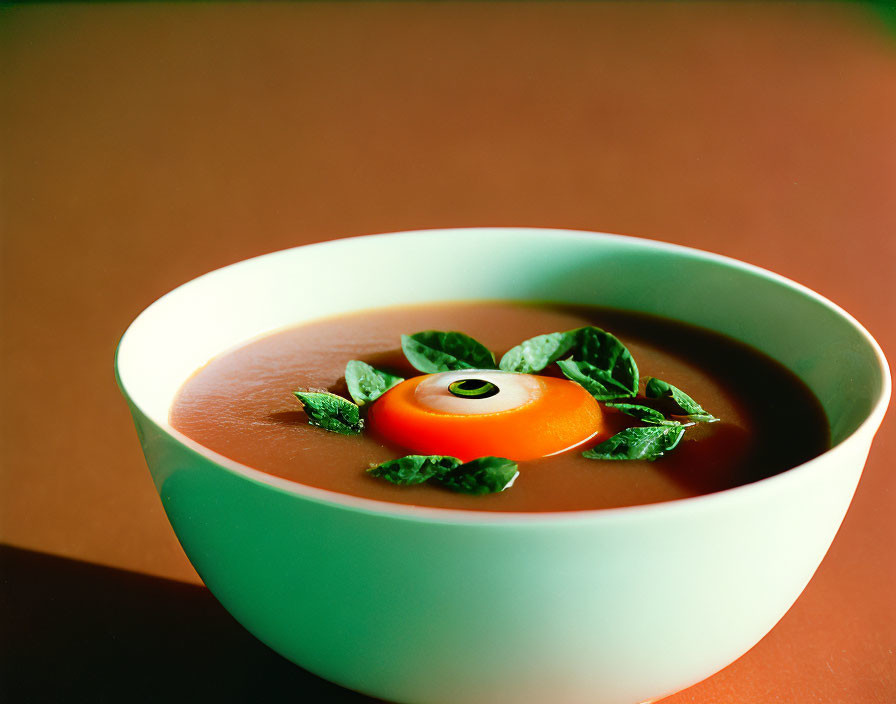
(427, 605)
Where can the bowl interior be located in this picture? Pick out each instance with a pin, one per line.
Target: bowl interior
(183, 330)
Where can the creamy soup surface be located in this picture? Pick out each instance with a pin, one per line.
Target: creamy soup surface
(241, 405)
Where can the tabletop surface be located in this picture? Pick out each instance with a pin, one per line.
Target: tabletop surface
(144, 144)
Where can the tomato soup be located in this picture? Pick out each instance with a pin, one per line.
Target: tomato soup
(241, 406)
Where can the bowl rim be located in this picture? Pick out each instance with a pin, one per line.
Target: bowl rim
(778, 482)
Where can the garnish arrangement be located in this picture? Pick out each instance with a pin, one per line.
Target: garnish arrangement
(465, 402)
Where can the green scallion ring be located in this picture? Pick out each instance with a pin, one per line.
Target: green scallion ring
(473, 388)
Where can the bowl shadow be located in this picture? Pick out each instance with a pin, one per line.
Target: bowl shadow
(74, 631)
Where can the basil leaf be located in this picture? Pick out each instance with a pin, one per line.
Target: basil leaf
(656, 388)
(597, 382)
(597, 360)
(536, 353)
(413, 469)
(434, 351)
(637, 444)
(366, 384)
(331, 412)
(484, 475)
(645, 414)
(604, 351)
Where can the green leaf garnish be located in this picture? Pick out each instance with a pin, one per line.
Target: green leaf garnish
(331, 412)
(646, 443)
(538, 352)
(597, 382)
(645, 414)
(413, 469)
(605, 352)
(597, 360)
(485, 475)
(434, 351)
(366, 384)
(656, 388)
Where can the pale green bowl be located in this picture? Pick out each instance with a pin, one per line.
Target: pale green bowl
(427, 605)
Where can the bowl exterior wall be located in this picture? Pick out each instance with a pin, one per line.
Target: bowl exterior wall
(583, 609)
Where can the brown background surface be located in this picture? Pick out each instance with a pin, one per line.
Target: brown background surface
(145, 144)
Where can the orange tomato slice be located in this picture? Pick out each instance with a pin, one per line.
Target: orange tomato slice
(530, 417)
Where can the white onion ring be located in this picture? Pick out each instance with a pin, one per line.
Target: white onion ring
(514, 390)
